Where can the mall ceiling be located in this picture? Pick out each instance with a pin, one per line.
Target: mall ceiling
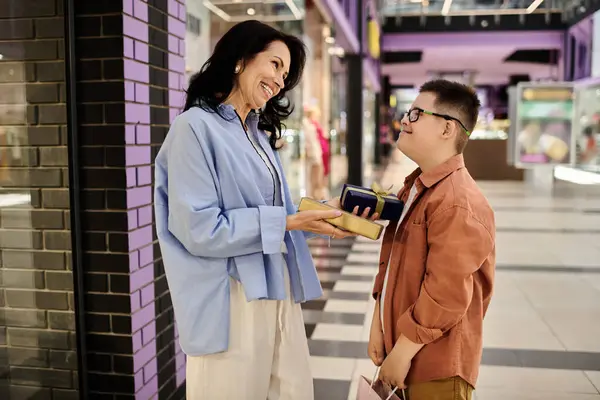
(491, 57)
(264, 10)
(482, 15)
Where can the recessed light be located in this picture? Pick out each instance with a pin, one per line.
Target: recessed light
(251, 11)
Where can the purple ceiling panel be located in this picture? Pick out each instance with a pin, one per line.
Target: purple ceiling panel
(521, 40)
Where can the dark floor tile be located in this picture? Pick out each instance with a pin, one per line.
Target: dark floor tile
(348, 295)
(327, 285)
(313, 317)
(329, 389)
(314, 305)
(327, 252)
(322, 254)
(571, 360)
(309, 328)
(347, 242)
(336, 270)
(329, 262)
(332, 348)
(339, 244)
(333, 277)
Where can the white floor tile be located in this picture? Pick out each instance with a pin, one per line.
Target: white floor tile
(337, 332)
(345, 306)
(337, 368)
(374, 247)
(594, 377)
(519, 331)
(368, 259)
(534, 380)
(363, 271)
(353, 286)
(578, 330)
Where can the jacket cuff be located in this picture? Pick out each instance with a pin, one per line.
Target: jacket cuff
(415, 332)
(377, 286)
(272, 228)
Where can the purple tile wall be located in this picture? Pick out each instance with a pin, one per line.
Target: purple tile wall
(136, 75)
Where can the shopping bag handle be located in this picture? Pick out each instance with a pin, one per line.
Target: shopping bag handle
(395, 389)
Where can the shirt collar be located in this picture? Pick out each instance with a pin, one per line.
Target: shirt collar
(229, 111)
(438, 173)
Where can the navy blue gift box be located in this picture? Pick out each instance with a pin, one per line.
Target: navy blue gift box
(388, 205)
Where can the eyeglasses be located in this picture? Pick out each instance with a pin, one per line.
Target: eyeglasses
(415, 113)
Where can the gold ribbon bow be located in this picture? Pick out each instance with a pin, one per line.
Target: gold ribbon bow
(380, 193)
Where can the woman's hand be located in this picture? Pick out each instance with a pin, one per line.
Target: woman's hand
(313, 221)
(335, 202)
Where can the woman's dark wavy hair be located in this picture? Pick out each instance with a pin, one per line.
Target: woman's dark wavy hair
(215, 81)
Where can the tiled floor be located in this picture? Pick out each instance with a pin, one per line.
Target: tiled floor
(542, 332)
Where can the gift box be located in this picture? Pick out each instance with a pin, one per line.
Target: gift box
(380, 201)
(347, 221)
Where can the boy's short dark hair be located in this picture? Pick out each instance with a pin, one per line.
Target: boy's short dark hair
(457, 100)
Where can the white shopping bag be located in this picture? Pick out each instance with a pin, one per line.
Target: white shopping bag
(376, 390)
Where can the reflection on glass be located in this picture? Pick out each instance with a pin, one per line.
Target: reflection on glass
(587, 127)
(37, 350)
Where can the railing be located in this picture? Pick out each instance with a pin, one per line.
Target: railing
(402, 8)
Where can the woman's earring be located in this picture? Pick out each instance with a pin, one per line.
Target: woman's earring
(237, 69)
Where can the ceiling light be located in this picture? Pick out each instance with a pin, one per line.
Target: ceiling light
(533, 6)
(446, 7)
(294, 9)
(217, 10)
(251, 11)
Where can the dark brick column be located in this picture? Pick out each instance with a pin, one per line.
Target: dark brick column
(130, 73)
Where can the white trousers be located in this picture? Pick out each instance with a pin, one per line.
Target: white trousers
(267, 359)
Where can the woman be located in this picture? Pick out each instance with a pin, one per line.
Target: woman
(234, 247)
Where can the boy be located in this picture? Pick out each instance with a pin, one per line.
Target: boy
(437, 263)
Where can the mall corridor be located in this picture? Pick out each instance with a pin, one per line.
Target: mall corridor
(542, 331)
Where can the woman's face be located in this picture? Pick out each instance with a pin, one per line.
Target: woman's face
(263, 76)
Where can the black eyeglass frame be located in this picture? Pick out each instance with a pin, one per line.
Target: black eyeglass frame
(412, 119)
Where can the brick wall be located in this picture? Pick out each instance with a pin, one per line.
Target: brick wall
(126, 53)
(129, 76)
(105, 222)
(37, 342)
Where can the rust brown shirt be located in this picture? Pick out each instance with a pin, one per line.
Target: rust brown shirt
(442, 261)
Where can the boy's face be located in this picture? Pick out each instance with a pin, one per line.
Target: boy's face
(427, 135)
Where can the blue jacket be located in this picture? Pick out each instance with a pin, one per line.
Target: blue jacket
(215, 218)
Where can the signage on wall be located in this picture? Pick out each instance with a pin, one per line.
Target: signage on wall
(596, 45)
(373, 38)
(544, 119)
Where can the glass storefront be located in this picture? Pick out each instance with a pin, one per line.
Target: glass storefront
(37, 342)
(586, 127)
(339, 126)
